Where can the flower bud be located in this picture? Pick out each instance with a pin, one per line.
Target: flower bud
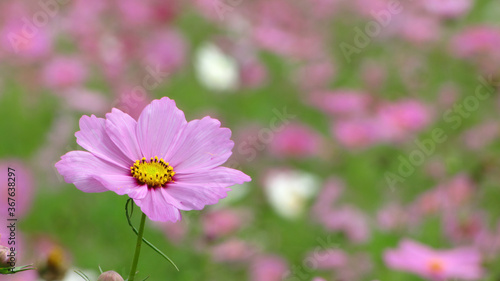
(110, 276)
(4, 259)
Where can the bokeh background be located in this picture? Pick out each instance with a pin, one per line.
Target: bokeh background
(363, 123)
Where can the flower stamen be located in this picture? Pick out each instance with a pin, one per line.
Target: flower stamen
(154, 173)
(436, 266)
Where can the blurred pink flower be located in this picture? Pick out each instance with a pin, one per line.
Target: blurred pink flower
(34, 43)
(174, 231)
(165, 51)
(315, 75)
(349, 220)
(324, 8)
(253, 74)
(268, 268)
(282, 28)
(463, 228)
(447, 196)
(437, 265)
(233, 251)
(328, 259)
(222, 222)
(64, 72)
(436, 168)
(448, 8)
(392, 217)
(448, 95)
(374, 75)
(476, 138)
(134, 13)
(330, 193)
(398, 120)
(356, 133)
(22, 180)
(296, 140)
(480, 44)
(126, 156)
(86, 101)
(489, 242)
(342, 102)
(359, 265)
(418, 29)
(367, 7)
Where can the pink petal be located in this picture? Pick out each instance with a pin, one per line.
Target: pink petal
(121, 129)
(80, 167)
(196, 190)
(202, 145)
(93, 137)
(124, 184)
(156, 207)
(158, 126)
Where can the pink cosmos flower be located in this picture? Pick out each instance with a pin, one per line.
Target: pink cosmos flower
(464, 228)
(392, 217)
(358, 266)
(342, 102)
(134, 12)
(356, 133)
(349, 220)
(436, 265)
(165, 52)
(398, 120)
(219, 223)
(417, 29)
(448, 196)
(253, 73)
(331, 192)
(64, 72)
(31, 45)
(316, 74)
(328, 259)
(233, 251)
(23, 184)
(479, 44)
(296, 140)
(85, 100)
(448, 8)
(268, 268)
(161, 161)
(374, 75)
(477, 41)
(481, 135)
(175, 232)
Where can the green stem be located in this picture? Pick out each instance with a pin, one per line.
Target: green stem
(137, 248)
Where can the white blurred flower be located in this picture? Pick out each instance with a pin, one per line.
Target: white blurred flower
(289, 191)
(216, 70)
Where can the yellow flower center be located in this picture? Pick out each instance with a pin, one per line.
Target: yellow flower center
(436, 265)
(56, 258)
(154, 173)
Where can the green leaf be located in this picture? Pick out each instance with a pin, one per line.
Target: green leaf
(14, 270)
